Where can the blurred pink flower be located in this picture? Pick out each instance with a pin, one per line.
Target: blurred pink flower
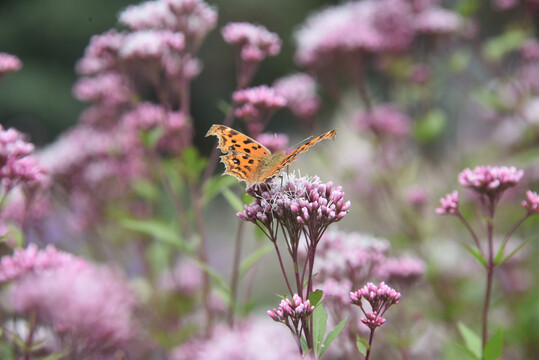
(299, 90)
(89, 307)
(274, 142)
(9, 63)
(151, 44)
(505, 4)
(255, 42)
(532, 202)
(490, 180)
(250, 339)
(438, 21)
(194, 18)
(110, 88)
(373, 26)
(384, 120)
(102, 53)
(449, 204)
(420, 73)
(257, 103)
(530, 50)
(34, 261)
(403, 271)
(417, 196)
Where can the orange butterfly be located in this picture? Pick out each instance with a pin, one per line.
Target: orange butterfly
(250, 161)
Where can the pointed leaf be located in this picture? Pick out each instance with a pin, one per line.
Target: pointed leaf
(216, 185)
(233, 199)
(315, 297)
(518, 249)
(160, 231)
(472, 341)
(333, 335)
(476, 254)
(493, 348)
(254, 257)
(362, 346)
(320, 318)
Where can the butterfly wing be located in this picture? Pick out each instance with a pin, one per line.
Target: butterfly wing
(232, 140)
(242, 166)
(243, 157)
(273, 169)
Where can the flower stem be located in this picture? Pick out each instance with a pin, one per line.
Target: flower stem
(490, 271)
(235, 273)
(371, 339)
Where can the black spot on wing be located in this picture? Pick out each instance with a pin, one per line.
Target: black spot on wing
(235, 161)
(247, 141)
(251, 161)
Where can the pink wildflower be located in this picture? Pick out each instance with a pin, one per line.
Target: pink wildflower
(257, 102)
(255, 42)
(490, 180)
(9, 63)
(380, 298)
(532, 202)
(438, 21)
(385, 120)
(299, 90)
(449, 204)
(274, 142)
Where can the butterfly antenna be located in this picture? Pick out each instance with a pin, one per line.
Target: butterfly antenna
(299, 142)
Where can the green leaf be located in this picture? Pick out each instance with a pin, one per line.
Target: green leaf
(499, 46)
(333, 335)
(362, 346)
(468, 7)
(472, 341)
(430, 126)
(54, 356)
(254, 257)
(315, 297)
(493, 348)
(524, 243)
(320, 318)
(151, 137)
(233, 199)
(459, 61)
(215, 185)
(145, 189)
(222, 283)
(192, 164)
(476, 254)
(160, 231)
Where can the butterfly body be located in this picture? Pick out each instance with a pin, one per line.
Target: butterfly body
(249, 161)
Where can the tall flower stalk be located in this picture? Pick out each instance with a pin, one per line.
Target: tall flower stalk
(488, 183)
(301, 209)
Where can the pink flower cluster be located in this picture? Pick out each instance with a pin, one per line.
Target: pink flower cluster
(33, 260)
(16, 167)
(532, 202)
(194, 18)
(384, 120)
(299, 91)
(346, 260)
(370, 26)
(254, 42)
(273, 142)
(292, 310)
(379, 297)
(247, 340)
(88, 306)
(298, 200)
(9, 63)
(449, 204)
(257, 103)
(490, 180)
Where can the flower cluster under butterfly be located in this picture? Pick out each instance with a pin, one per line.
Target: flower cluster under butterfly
(249, 161)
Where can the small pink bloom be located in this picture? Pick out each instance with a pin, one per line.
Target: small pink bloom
(9, 63)
(385, 120)
(254, 41)
(299, 90)
(274, 142)
(449, 204)
(438, 21)
(530, 50)
(490, 180)
(532, 202)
